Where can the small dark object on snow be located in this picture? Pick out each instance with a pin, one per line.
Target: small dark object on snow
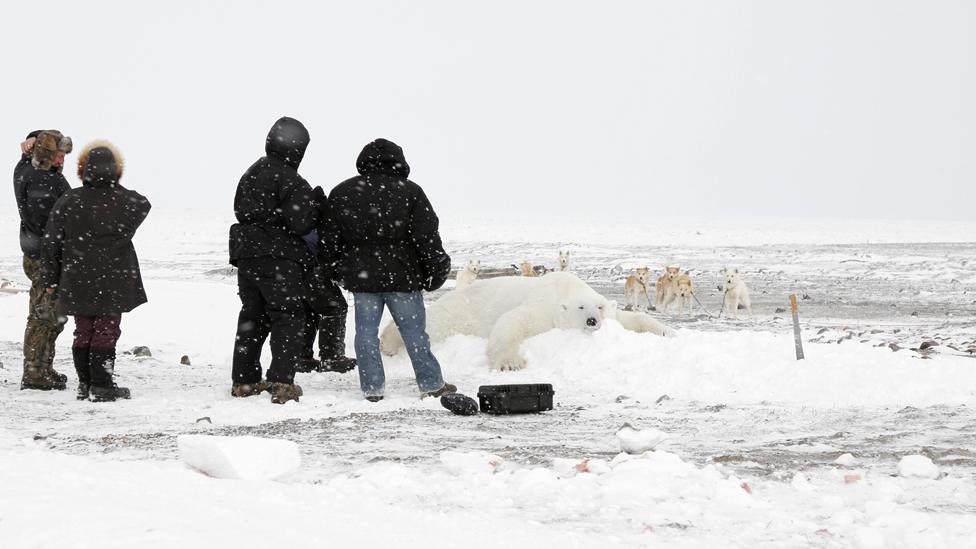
(140, 351)
(205, 419)
(661, 399)
(185, 360)
(927, 344)
(894, 347)
(779, 310)
(806, 297)
(459, 404)
(515, 399)
(914, 313)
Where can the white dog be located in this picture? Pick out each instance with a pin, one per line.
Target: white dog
(563, 260)
(736, 292)
(468, 274)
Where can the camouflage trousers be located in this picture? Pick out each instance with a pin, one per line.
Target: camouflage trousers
(43, 325)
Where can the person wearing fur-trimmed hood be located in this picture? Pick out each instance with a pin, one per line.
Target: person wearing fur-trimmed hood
(90, 262)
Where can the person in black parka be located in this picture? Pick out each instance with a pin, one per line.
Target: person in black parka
(38, 184)
(274, 207)
(383, 245)
(90, 262)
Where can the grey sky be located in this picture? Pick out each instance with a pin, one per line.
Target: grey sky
(587, 109)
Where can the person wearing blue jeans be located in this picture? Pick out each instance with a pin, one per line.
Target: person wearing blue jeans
(408, 312)
(381, 242)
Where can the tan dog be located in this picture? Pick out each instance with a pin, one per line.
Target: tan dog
(684, 292)
(666, 286)
(635, 287)
(527, 269)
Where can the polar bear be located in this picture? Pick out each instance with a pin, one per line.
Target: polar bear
(508, 310)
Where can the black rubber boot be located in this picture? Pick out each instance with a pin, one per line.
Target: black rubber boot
(332, 345)
(81, 356)
(101, 367)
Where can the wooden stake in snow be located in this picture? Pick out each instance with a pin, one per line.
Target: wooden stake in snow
(796, 328)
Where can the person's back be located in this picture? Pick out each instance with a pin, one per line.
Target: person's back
(387, 228)
(273, 204)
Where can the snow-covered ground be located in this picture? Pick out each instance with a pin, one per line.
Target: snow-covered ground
(756, 447)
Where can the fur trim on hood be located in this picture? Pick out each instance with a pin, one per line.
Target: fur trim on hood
(86, 152)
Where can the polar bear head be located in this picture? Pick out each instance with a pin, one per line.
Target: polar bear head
(587, 311)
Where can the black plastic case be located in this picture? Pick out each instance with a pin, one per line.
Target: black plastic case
(524, 398)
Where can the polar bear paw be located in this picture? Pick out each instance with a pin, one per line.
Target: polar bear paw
(511, 364)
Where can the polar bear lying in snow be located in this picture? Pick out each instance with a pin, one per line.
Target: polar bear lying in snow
(508, 310)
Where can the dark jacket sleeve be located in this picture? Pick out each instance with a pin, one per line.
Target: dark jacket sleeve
(299, 207)
(51, 244)
(423, 234)
(330, 239)
(134, 213)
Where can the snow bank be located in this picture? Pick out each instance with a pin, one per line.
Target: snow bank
(241, 457)
(655, 499)
(730, 367)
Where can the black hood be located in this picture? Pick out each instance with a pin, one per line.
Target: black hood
(287, 140)
(383, 156)
(100, 168)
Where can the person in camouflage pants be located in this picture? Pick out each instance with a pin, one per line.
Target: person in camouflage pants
(38, 184)
(43, 327)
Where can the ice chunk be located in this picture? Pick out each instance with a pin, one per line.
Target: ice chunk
(638, 441)
(244, 457)
(917, 466)
(846, 460)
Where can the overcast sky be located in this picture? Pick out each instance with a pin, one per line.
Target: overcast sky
(585, 109)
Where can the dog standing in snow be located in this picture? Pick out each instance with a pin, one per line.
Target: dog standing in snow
(563, 260)
(468, 274)
(635, 287)
(666, 287)
(736, 293)
(528, 270)
(683, 292)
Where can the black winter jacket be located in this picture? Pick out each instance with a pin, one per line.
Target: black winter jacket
(36, 191)
(380, 233)
(88, 252)
(274, 205)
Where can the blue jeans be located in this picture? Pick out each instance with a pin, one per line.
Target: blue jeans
(411, 318)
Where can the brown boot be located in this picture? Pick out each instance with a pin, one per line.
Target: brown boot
(283, 392)
(447, 389)
(241, 390)
(42, 379)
